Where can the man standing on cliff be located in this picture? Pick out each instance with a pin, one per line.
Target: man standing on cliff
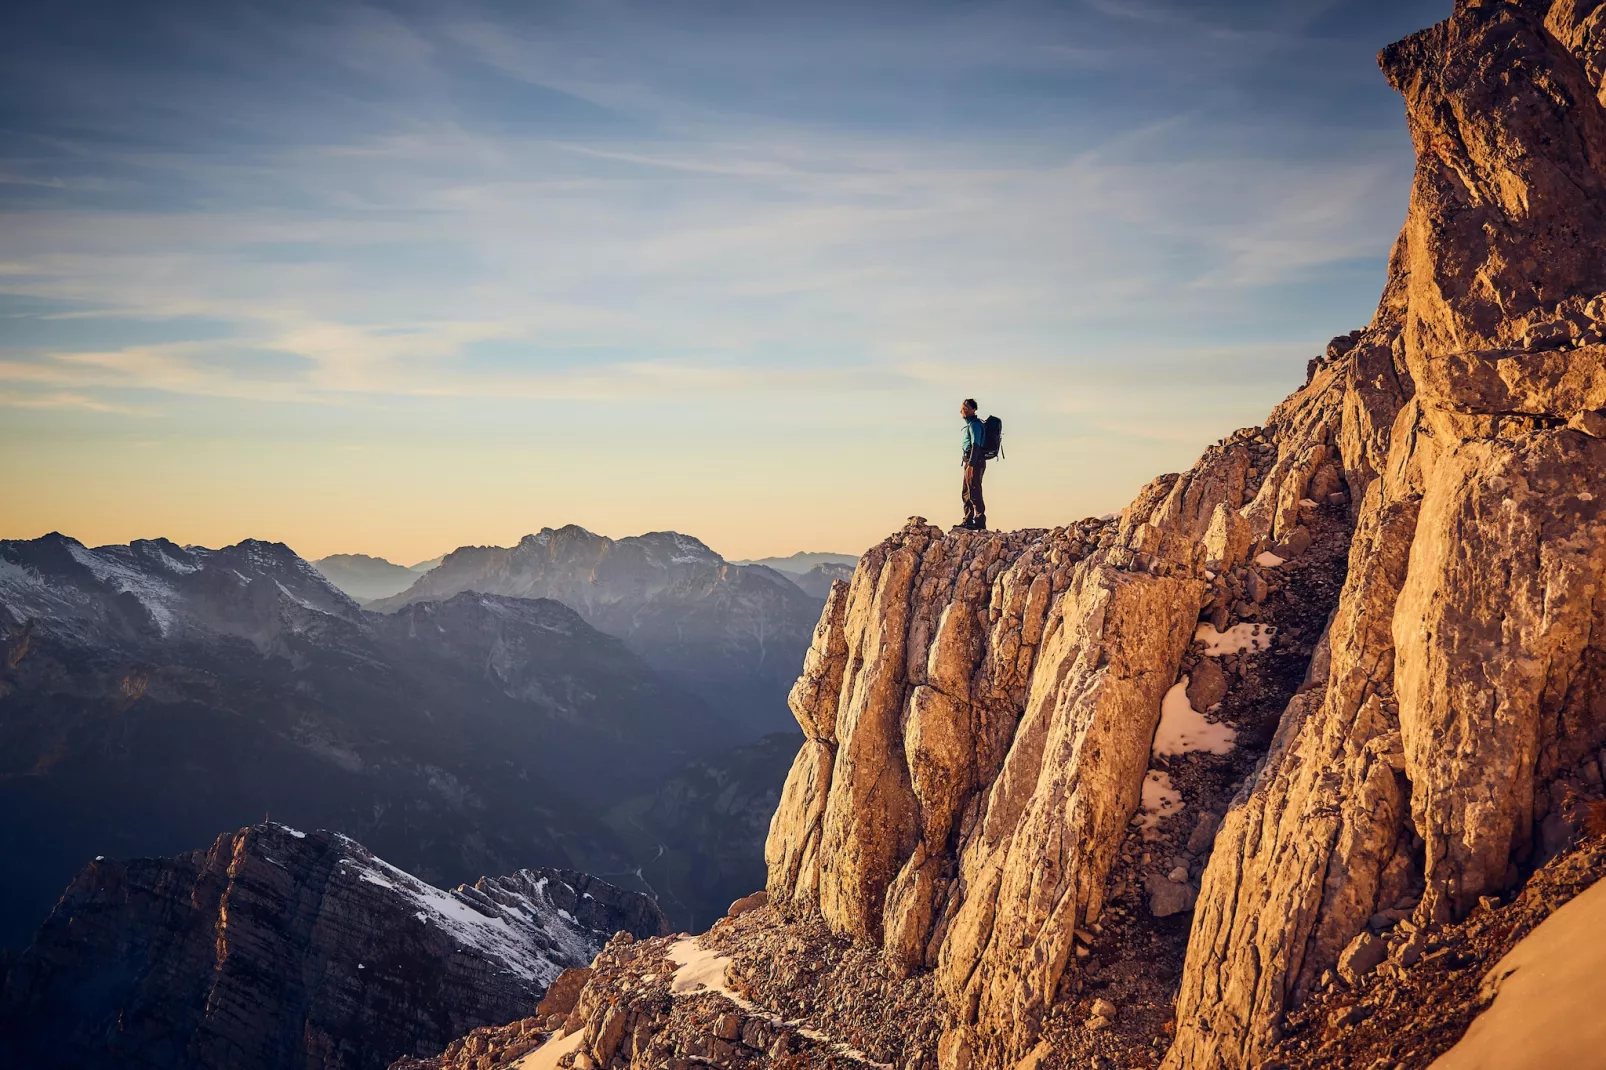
(975, 461)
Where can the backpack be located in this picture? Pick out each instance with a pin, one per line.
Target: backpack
(993, 438)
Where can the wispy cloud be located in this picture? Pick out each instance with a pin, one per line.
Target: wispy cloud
(66, 400)
(1090, 211)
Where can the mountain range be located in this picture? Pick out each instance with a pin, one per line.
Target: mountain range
(151, 694)
(367, 578)
(802, 562)
(733, 634)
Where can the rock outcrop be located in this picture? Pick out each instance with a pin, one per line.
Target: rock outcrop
(980, 711)
(278, 949)
(1464, 695)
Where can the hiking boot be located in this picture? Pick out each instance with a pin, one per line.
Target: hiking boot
(979, 524)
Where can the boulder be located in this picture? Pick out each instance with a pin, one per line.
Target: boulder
(748, 902)
(1207, 684)
(1361, 957)
(1167, 897)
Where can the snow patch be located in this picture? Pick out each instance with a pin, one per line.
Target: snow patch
(527, 938)
(1235, 640)
(1547, 992)
(1160, 800)
(1183, 729)
(157, 597)
(547, 1055)
(699, 969)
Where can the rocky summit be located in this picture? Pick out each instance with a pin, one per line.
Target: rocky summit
(1309, 731)
(278, 948)
(733, 634)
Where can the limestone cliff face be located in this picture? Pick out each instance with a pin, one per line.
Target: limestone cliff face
(980, 711)
(1465, 695)
(980, 708)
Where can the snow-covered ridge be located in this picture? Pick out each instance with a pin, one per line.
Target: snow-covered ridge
(527, 932)
(72, 590)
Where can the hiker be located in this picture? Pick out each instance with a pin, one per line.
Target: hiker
(974, 459)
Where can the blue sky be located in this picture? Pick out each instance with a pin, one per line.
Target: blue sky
(389, 278)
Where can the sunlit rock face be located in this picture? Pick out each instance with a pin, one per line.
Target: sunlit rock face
(1465, 697)
(979, 708)
(980, 711)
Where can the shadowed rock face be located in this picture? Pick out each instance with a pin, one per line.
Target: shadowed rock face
(278, 949)
(731, 633)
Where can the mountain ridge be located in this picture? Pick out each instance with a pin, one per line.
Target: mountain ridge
(731, 633)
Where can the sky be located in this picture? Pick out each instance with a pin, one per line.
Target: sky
(392, 278)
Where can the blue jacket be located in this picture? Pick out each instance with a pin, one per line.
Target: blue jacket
(975, 438)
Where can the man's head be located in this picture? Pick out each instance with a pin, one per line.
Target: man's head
(967, 408)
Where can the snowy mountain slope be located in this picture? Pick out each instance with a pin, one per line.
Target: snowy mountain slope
(281, 948)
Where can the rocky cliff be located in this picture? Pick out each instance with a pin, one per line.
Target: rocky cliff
(1132, 791)
(279, 949)
(731, 633)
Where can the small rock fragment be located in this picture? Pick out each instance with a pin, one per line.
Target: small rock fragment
(748, 902)
(1590, 422)
(1168, 897)
(1361, 957)
(1346, 1016)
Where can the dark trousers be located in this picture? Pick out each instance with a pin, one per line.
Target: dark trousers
(970, 490)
